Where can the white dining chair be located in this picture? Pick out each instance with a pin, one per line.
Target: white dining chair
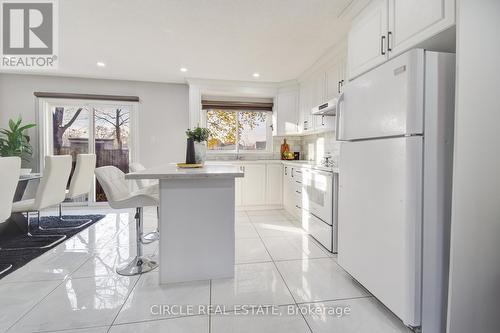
(117, 192)
(80, 185)
(50, 192)
(10, 168)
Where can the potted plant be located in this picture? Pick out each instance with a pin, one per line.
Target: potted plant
(15, 142)
(200, 136)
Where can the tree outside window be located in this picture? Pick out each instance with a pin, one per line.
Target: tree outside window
(235, 131)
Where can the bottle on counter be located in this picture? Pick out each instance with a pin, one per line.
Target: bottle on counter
(284, 149)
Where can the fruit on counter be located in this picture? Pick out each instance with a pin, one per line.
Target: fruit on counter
(288, 155)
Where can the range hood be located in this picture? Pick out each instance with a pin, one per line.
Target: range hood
(325, 109)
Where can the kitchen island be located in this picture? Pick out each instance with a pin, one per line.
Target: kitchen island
(196, 221)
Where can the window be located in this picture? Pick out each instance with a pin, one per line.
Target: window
(73, 126)
(239, 131)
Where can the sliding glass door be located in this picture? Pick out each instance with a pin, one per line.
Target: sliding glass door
(72, 127)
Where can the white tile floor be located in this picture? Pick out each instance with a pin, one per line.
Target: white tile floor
(74, 287)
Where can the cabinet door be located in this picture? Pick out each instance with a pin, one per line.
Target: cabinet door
(343, 72)
(237, 191)
(287, 197)
(367, 41)
(333, 78)
(254, 185)
(274, 184)
(287, 113)
(306, 105)
(411, 22)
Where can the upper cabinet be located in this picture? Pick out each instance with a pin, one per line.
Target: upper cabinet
(321, 84)
(286, 111)
(411, 22)
(386, 28)
(367, 40)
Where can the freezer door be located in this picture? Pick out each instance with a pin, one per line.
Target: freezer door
(380, 220)
(387, 101)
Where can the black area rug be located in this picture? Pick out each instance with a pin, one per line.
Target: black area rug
(19, 258)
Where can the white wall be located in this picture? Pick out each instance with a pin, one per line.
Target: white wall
(163, 109)
(474, 298)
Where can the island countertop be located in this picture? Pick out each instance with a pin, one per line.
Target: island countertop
(172, 172)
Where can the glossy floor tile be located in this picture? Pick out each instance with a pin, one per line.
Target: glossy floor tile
(312, 280)
(249, 250)
(366, 315)
(245, 230)
(193, 324)
(54, 265)
(148, 298)
(16, 299)
(253, 284)
(75, 288)
(294, 247)
(269, 320)
(78, 303)
(278, 228)
(105, 261)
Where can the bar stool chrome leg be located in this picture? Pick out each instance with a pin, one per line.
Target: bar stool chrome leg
(140, 264)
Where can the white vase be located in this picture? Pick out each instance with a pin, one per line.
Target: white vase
(200, 152)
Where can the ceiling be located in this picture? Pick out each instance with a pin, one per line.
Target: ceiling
(150, 40)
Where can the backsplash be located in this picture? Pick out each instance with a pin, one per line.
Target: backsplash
(316, 146)
(312, 147)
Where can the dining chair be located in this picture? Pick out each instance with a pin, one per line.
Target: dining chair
(80, 185)
(50, 192)
(119, 196)
(10, 168)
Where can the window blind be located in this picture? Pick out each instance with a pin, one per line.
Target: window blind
(235, 105)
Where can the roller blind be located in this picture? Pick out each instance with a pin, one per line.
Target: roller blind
(235, 105)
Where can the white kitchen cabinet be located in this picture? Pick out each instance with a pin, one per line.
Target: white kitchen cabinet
(286, 113)
(254, 185)
(412, 22)
(387, 28)
(367, 40)
(274, 184)
(237, 191)
(306, 103)
(333, 80)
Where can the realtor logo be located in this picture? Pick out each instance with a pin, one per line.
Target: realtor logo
(29, 34)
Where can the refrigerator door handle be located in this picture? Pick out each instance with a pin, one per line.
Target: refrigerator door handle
(337, 122)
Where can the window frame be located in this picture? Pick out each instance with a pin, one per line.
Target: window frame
(237, 151)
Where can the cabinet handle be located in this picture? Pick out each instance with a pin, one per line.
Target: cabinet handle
(389, 34)
(298, 192)
(382, 45)
(286, 170)
(338, 86)
(292, 172)
(322, 120)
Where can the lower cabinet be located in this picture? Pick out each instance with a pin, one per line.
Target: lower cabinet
(274, 184)
(261, 187)
(253, 188)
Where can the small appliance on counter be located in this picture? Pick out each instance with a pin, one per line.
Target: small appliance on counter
(296, 155)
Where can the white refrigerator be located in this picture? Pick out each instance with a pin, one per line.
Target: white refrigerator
(396, 127)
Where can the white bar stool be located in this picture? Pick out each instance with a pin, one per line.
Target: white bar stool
(116, 188)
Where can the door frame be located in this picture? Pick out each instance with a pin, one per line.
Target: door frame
(45, 140)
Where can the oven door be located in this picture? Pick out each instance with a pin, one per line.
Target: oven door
(317, 188)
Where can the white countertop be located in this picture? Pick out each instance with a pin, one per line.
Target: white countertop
(296, 163)
(172, 172)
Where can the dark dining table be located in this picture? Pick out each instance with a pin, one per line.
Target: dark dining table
(18, 222)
